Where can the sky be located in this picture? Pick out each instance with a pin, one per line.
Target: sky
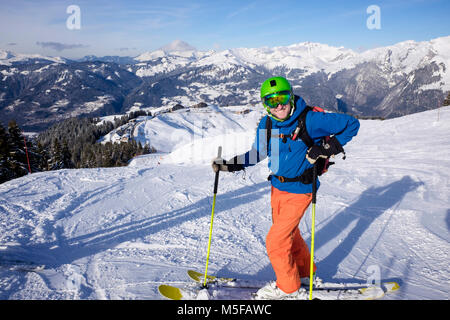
(129, 28)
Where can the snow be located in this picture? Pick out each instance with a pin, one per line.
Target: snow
(15, 104)
(399, 60)
(167, 64)
(63, 76)
(10, 73)
(8, 57)
(179, 46)
(185, 132)
(92, 106)
(407, 56)
(4, 54)
(117, 233)
(59, 104)
(309, 56)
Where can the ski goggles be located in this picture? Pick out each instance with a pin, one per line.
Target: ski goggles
(277, 98)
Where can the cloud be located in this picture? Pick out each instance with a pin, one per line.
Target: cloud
(126, 49)
(178, 45)
(58, 46)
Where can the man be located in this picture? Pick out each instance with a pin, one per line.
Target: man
(292, 128)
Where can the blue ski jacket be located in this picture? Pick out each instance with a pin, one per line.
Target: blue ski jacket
(288, 159)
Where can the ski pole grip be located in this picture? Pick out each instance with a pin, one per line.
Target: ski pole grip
(219, 152)
(216, 180)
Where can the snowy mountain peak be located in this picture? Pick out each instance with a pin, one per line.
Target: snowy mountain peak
(4, 54)
(8, 57)
(176, 48)
(146, 56)
(178, 45)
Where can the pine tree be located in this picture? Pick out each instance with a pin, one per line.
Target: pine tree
(107, 154)
(17, 160)
(140, 149)
(447, 100)
(4, 150)
(55, 160)
(146, 148)
(43, 157)
(5, 171)
(66, 156)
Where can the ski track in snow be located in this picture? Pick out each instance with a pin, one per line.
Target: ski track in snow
(117, 233)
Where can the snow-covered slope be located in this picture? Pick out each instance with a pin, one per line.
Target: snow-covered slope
(8, 57)
(184, 132)
(117, 233)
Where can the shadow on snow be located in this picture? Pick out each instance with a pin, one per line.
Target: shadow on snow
(363, 212)
(67, 250)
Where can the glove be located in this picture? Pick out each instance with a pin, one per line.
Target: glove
(328, 149)
(218, 164)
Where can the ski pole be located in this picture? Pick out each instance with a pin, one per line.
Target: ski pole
(314, 192)
(216, 182)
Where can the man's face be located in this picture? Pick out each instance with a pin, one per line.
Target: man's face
(282, 111)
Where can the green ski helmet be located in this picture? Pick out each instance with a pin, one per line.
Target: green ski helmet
(276, 85)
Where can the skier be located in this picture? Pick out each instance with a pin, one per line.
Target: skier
(291, 161)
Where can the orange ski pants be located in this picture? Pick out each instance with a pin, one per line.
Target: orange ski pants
(288, 252)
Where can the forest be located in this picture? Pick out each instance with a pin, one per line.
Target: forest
(69, 144)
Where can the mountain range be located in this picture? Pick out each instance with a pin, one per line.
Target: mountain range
(388, 82)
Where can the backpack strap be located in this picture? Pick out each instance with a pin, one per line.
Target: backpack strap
(301, 131)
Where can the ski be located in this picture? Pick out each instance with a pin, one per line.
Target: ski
(219, 292)
(223, 281)
(198, 277)
(171, 292)
(230, 288)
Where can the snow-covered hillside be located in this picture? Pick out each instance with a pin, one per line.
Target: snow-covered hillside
(395, 60)
(117, 233)
(403, 78)
(8, 58)
(186, 131)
